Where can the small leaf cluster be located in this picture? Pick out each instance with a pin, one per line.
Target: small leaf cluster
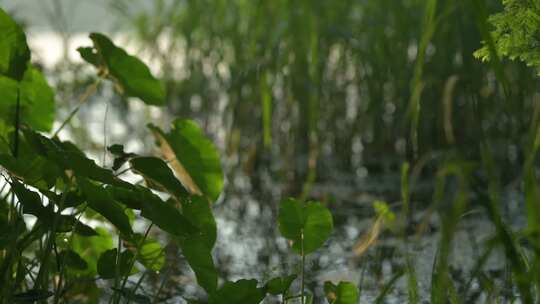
(516, 33)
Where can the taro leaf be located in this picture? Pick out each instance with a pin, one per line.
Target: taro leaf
(14, 52)
(91, 248)
(68, 157)
(73, 260)
(34, 170)
(121, 157)
(106, 265)
(151, 254)
(280, 285)
(158, 175)
(131, 296)
(132, 198)
(199, 257)
(313, 220)
(197, 211)
(165, 215)
(85, 230)
(32, 296)
(130, 73)
(197, 249)
(36, 100)
(101, 201)
(239, 292)
(193, 157)
(30, 201)
(343, 293)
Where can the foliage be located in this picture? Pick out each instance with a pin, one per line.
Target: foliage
(55, 258)
(517, 33)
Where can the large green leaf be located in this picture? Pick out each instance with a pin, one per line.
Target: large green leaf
(193, 157)
(14, 52)
(151, 254)
(101, 201)
(36, 100)
(197, 210)
(72, 260)
(130, 73)
(166, 216)
(107, 267)
(280, 285)
(158, 175)
(343, 293)
(313, 221)
(90, 248)
(239, 292)
(200, 259)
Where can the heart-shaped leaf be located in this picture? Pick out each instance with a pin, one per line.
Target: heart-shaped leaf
(239, 292)
(101, 201)
(193, 158)
(107, 267)
(158, 175)
(311, 222)
(343, 293)
(14, 52)
(36, 100)
(280, 285)
(128, 72)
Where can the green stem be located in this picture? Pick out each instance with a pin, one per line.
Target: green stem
(303, 266)
(139, 245)
(17, 124)
(89, 92)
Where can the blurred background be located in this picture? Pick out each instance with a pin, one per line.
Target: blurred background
(320, 100)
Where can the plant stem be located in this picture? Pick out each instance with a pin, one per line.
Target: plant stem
(17, 123)
(139, 245)
(303, 266)
(90, 90)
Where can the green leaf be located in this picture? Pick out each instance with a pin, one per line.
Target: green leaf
(30, 201)
(200, 259)
(151, 254)
(37, 106)
(101, 201)
(239, 292)
(158, 175)
(91, 248)
(73, 260)
(121, 157)
(193, 157)
(14, 52)
(313, 220)
(106, 265)
(130, 73)
(131, 296)
(68, 157)
(197, 210)
(280, 285)
(165, 215)
(343, 293)
(32, 296)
